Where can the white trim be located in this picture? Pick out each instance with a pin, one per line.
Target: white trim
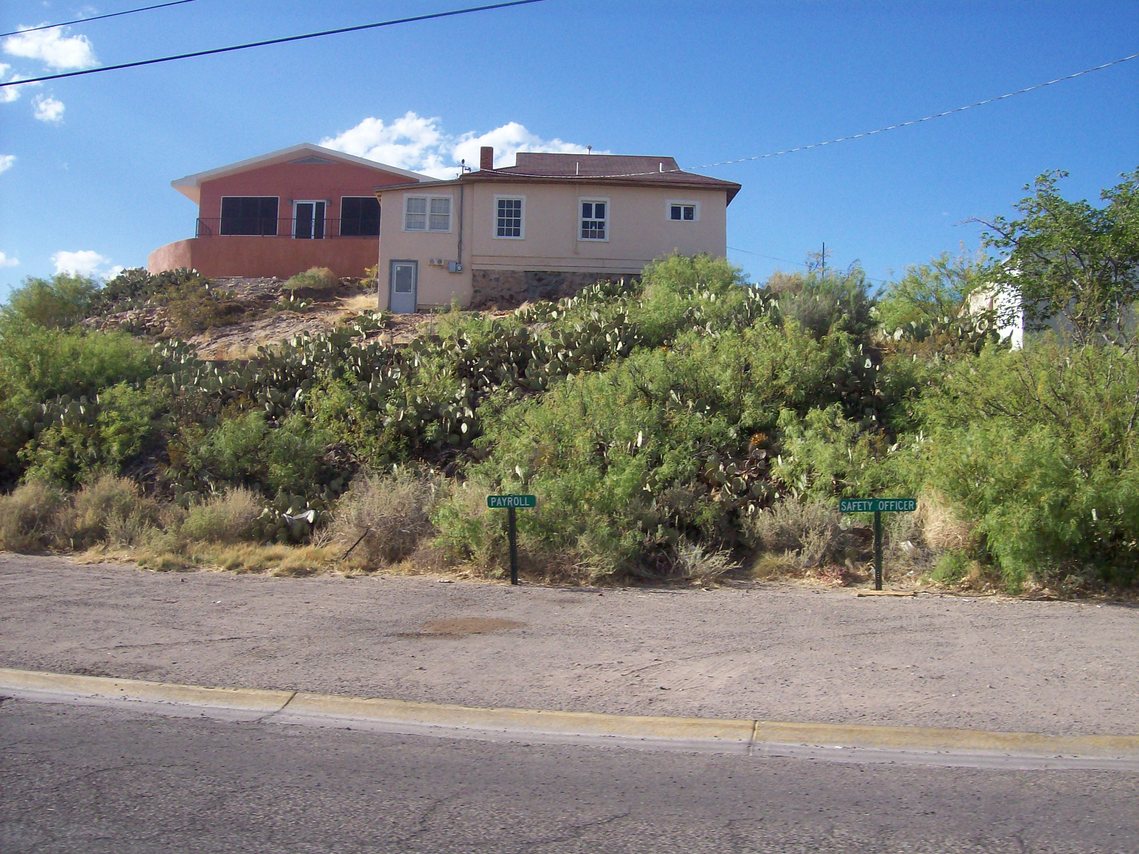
(512, 197)
(190, 186)
(607, 219)
(323, 218)
(688, 203)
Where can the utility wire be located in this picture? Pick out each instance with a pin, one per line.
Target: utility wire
(94, 18)
(266, 43)
(928, 118)
(853, 136)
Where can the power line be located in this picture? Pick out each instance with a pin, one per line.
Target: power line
(854, 136)
(94, 18)
(928, 118)
(266, 43)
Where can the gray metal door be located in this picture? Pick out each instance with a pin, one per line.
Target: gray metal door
(404, 278)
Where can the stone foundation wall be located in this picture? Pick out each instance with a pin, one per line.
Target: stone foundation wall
(507, 288)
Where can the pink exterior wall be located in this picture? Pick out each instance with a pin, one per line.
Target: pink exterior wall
(214, 254)
(265, 256)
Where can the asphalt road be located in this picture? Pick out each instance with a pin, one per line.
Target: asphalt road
(94, 779)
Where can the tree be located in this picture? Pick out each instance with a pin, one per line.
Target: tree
(1071, 259)
(929, 296)
(55, 303)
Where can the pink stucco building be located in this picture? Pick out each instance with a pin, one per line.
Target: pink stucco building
(282, 213)
(545, 227)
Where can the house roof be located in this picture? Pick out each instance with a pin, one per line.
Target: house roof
(593, 169)
(306, 152)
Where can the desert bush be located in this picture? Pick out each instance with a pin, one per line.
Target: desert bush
(822, 303)
(312, 279)
(28, 517)
(107, 509)
(390, 512)
(230, 517)
(103, 435)
(808, 534)
(1038, 450)
(193, 304)
(43, 371)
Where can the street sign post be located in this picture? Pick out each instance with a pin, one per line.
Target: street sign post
(877, 506)
(511, 502)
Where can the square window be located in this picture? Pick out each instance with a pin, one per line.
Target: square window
(427, 213)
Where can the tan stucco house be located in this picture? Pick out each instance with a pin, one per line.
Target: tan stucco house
(545, 227)
(281, 213)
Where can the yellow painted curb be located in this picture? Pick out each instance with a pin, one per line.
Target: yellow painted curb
(105, 687)
(945, 740)
(744, 735)
(525, 720)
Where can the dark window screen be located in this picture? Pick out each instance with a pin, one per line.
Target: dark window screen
(359, 217)
(249, 215)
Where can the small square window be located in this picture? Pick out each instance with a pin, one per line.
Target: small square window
(682, 212)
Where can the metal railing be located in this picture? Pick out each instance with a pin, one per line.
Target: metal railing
(327, 229)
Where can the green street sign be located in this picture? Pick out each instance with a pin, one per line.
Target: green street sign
(877, 505)
(509, 501)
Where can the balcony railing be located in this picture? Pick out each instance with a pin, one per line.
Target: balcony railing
(292, 229)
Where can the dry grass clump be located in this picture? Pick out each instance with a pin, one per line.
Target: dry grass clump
(795, 536)
(27, 517)
(228, 518)
(312, 279)
(109, 510)
(942, 528)
(700, 565)
(384, 518)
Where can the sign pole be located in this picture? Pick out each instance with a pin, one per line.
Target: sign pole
(512, 533)
(877, 549)
(877, 506)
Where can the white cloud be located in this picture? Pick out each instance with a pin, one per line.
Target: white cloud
(52, 47)
(9, 93)
(83, 262)
(421, 145)
(5, 261)
(7, 161)
(47, 108)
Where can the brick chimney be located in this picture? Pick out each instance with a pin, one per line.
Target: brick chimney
(486, 157)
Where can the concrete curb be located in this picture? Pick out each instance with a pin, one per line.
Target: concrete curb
(750, 737)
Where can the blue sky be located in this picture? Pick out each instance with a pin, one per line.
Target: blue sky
(86, 162)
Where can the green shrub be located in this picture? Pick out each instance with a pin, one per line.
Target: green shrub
(103, 435)
(230, 517)
(28, 517)
(1038, 451)
(312, 279)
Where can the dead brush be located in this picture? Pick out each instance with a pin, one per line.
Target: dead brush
(28, 517)
(797, 538)
(382, 519)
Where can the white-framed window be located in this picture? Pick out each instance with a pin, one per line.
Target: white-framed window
(427, 213)
(508, 217)
(679, 211)
(593, 219)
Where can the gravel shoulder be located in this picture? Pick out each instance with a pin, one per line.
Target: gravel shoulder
(763, 651)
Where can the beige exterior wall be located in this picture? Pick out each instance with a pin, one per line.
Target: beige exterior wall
(639, 230)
